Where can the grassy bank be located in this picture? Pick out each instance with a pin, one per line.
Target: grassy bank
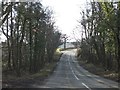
(98, 70)
(10, 80)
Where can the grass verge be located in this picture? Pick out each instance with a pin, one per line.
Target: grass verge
(98, 70)
(26, 80)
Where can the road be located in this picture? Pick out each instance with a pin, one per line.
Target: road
(68, 74)
(0, 66)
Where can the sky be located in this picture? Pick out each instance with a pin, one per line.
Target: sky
(66, 14)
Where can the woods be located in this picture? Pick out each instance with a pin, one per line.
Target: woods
(32, 37)
(101, 42)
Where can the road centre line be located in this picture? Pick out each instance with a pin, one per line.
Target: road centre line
(86, 86)
(77, 77)
(74, 74)
(72, 70)
(79, 67)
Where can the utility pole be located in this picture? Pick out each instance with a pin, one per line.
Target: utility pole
(65, 40)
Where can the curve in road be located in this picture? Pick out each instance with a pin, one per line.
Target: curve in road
(68, 74)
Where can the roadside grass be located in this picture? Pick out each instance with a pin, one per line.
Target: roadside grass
(98, 70)
(42, 74)
(48, 68)
(69, 48)
(0, 63)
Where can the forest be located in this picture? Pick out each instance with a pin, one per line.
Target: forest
(100, 43)
(31, 37)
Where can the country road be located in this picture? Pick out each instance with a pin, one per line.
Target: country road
(68, 74)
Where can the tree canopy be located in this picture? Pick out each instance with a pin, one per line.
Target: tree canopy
(31, 36)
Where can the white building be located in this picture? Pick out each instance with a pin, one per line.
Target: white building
(68, 45)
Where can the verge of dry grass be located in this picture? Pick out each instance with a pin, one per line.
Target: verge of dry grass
(10, 80)
(100, 71)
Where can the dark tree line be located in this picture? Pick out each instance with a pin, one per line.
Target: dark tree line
(31, 36)
(101, 44)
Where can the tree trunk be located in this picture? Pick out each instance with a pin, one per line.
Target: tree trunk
(8, 45)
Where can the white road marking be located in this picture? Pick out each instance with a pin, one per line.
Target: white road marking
(89, 75)
(99, 80)
(81, 74)
(74, 74)
(86, 86)
(72, 69)
(115, 86)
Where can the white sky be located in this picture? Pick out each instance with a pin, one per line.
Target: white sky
(66, 13)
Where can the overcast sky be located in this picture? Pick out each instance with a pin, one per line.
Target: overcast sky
(66, 13)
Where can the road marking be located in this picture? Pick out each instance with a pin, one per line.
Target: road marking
(86, 86)
(102, 82)
(99, 80)
(81, 74)
(72, 69)
(74, 74)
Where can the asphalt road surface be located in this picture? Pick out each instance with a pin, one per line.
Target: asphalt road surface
(68, 74)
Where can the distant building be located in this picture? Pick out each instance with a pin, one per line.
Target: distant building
(68, 45)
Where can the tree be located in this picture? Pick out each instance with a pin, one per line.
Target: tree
(30, 34)
(101, 42)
